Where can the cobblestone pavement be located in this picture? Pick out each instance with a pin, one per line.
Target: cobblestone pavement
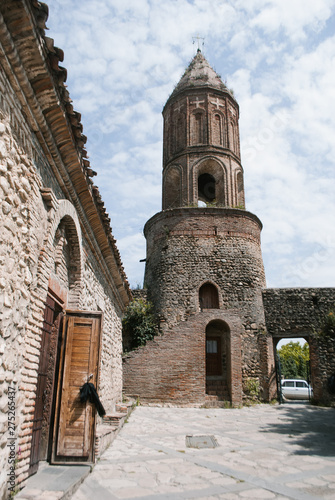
(263, 452)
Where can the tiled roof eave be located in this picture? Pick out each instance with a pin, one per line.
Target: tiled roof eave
(57, 125)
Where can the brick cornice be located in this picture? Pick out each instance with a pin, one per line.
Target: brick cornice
(193, 212)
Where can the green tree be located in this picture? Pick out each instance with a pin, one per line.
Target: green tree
(294, 359)
(139, 324)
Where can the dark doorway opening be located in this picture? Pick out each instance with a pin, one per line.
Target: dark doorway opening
(218, 360)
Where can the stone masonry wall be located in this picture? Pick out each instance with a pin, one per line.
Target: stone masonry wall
(187, 247)
(23, 226)
(296, 311)
(322, 354)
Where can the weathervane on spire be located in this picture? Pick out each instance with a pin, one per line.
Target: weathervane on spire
(198, 38)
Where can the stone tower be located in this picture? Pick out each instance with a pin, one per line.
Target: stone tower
(204, 269)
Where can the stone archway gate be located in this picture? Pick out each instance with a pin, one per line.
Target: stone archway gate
(301, 312)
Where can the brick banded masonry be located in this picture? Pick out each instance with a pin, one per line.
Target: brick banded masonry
(171, 368)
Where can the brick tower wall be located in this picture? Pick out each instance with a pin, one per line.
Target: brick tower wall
(188, 247)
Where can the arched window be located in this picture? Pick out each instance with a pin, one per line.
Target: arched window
(171, 138)
(234, 146)
(232, 136)
(180, 133)
(206, 188)
(217, 130)
(197, 128)
(208, 297)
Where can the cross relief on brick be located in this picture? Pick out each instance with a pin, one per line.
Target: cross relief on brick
(232, 111)
(217, 103)
(178, 107)
(197, 102)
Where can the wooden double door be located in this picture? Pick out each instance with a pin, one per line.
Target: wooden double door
(63, 427)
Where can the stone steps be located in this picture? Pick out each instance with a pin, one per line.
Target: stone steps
(110, 425)
(216, 391)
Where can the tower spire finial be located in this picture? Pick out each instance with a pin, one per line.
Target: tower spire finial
(198, 38)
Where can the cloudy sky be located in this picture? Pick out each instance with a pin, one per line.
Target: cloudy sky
(124, 58)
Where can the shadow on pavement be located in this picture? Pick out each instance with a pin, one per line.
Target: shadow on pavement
(311, 427)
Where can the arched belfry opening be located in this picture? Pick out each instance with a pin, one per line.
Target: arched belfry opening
(208, 296)
(209, 177)
(217, 359)
(206, 188)
(180, 133)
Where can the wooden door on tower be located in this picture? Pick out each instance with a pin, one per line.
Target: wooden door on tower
(74, 432)
(213, 356)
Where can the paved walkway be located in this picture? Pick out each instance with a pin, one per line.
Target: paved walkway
(54, 482)
(263, 452)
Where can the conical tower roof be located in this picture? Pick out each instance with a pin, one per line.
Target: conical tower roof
(199, 74)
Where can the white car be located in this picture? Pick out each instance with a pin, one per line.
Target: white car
(296, 389)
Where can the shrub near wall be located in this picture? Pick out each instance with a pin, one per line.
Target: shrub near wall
(139, 324)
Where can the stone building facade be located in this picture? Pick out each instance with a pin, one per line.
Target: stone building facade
(63, 289)
(204, 270)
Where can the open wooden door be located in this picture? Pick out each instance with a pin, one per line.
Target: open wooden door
(74, 430)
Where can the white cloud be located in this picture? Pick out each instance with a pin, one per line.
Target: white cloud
(292, 16)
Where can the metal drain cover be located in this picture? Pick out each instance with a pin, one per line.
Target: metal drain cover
(201, 442)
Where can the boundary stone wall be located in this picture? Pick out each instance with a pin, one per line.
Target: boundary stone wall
(300, 312)
(296, 311)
